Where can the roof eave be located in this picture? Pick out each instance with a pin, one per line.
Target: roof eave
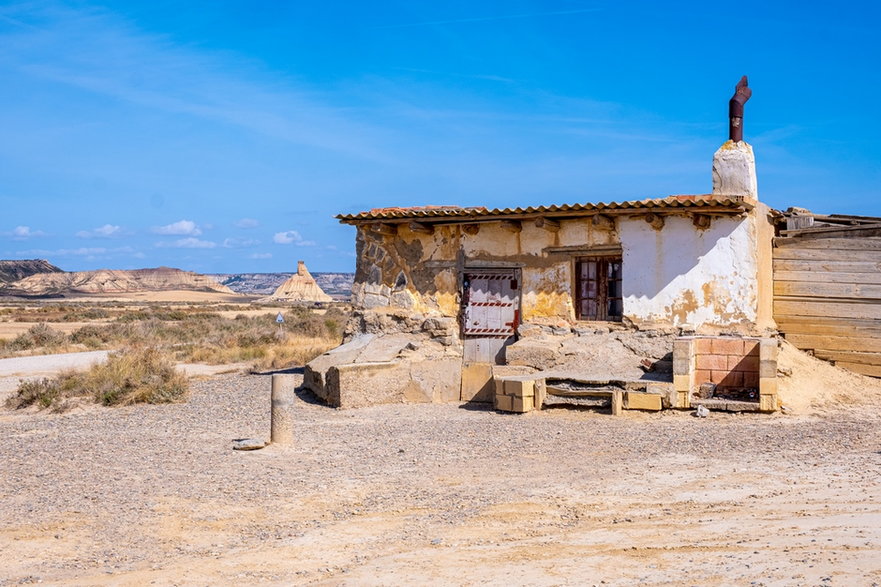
(727, 205)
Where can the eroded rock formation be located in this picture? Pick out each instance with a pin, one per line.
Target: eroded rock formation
(301, 287)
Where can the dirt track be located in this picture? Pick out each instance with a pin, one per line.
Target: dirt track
(15, 369)
(435, 493)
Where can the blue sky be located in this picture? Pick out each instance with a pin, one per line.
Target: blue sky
(224, 136)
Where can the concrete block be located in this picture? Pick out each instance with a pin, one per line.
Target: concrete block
(519, 388)
(642, 401)
(727, 346)
(522, 404)
(767, 386)
(504, 403)
(768, 402)
(683, 347)
(702, 376)
(683, 400)
(682, 365)
(666, 391)
(730, 379)
(703, 346)
(710, 363)
(682, 383)
(768, 349)
(499, 385)
(743, 363)
(718, 376)
(767, 368)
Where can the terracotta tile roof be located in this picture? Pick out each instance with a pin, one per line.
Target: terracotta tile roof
(729, 204)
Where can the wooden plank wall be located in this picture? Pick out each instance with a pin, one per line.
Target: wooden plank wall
(827, 298)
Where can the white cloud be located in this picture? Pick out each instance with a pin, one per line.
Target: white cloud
(260, 256)
(247, 223)
(239, 243)
(79, 252)
(21, 233)
(291, 237)
(187, 243)
(106, 231)
(179, 228)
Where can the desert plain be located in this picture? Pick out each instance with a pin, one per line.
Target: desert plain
(452, 494)
(445, 494)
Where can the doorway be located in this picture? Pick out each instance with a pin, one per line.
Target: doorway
(490, 316)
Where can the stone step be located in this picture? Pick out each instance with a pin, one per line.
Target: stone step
(552, 401)
(726, 405)
(584, 392)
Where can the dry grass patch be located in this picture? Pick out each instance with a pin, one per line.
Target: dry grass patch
(136, 375)
(283, 352)
(199, 334)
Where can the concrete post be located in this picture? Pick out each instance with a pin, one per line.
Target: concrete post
(282, 418)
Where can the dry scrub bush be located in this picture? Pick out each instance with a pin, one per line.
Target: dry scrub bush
(58, 313)
(37, 336)
(193, 334)
(137, 375)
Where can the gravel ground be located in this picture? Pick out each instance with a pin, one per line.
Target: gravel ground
(444, 494)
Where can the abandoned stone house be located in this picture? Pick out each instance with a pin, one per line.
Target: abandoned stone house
(651, 303)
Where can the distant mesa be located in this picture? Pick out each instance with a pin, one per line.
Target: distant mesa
(109, 281)
(300, 287)
(14, 270)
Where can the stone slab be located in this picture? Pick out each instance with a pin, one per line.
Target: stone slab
(477, 383)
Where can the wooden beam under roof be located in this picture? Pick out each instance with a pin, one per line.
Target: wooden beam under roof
(655, 220)
(603, 221)
(386, 228)
(547, 224)
(702, 221)
(421, 227)
(512, 225)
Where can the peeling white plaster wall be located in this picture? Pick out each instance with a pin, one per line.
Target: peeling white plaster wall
(685, 276)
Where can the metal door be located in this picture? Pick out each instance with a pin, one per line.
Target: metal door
(490, 313)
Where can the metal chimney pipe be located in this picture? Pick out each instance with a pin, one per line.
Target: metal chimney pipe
(742, 93)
